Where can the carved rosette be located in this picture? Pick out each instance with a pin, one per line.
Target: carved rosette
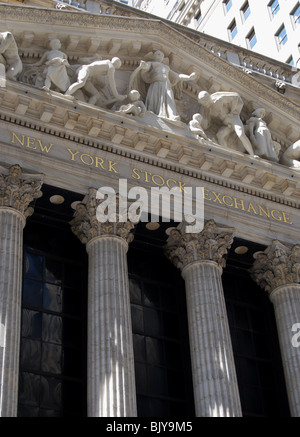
(18, 189)
(277, 266)
(86, 226)
(211, 244)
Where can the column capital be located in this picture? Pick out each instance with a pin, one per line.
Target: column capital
(86, 226)
(19, 189)
(277, 266)
(211, 244)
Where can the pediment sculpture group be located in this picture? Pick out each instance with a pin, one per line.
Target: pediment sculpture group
(153, 88)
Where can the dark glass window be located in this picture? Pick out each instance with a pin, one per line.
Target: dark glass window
(254, 340)
(160, 338)
(53, 343)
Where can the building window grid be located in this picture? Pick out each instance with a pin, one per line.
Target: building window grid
(198, 16)
(246, 11)
(227, 4)
(251, 39)
(295, 15)
(274, 8)
(281, 36)
(232, 30)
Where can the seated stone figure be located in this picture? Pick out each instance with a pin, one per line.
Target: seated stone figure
(196, 127)
(132, 105)
(291, 157)
(225, 108)
(10, 62)
(56, 67)
(260, 136)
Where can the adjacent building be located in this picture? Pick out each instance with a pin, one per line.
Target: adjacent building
(109, 307)
(267, 27)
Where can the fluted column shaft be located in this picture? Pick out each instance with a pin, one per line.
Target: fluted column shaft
(200, 258)
(17, 190)
(214, 379)
(111, 377)
(11, 250)
(286, 301)
(111, 380)
(277, 271)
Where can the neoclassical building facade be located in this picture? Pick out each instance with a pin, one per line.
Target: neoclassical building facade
(110, 314)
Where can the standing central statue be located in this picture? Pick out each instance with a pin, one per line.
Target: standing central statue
(157, 84)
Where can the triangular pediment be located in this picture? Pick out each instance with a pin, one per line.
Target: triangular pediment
(131, 39)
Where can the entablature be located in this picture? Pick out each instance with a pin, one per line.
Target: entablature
(163, 145)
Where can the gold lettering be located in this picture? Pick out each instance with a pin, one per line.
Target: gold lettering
(267, 213)
(87, 163)
(111, 167)
(30, 141)
(14, 136)
(73, 154)
(44, 148)
(286, 218)
(161, 178)
(146, 174)
(227, 197)
(238, 202)
(205, 194)
(137, 176)
(167, 183)
(181, 186)
(217, 195)
(99, 162)
(251, 207)
(278, 217)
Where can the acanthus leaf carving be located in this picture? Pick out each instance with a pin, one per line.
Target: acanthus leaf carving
(211, 244)
(277, 266)
(86, 225)
(18, 189)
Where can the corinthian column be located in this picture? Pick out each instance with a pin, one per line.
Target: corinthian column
(277, 271)
(17, 190)
(111, 379)
(200, 258)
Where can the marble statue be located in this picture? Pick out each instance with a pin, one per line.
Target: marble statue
(158, 85)
(196, 127)
(133, 105)
(89, 77)
(225, 108)
(291, 156)
(260, 136)
(56, 63)
(9, 58)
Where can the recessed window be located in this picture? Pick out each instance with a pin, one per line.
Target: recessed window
(281, 36)
(198, 16)
(245, 11)
(295, 15)
(274, 7)
(232, 30)
(251, 39)
(227, 5)
(181, 6)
